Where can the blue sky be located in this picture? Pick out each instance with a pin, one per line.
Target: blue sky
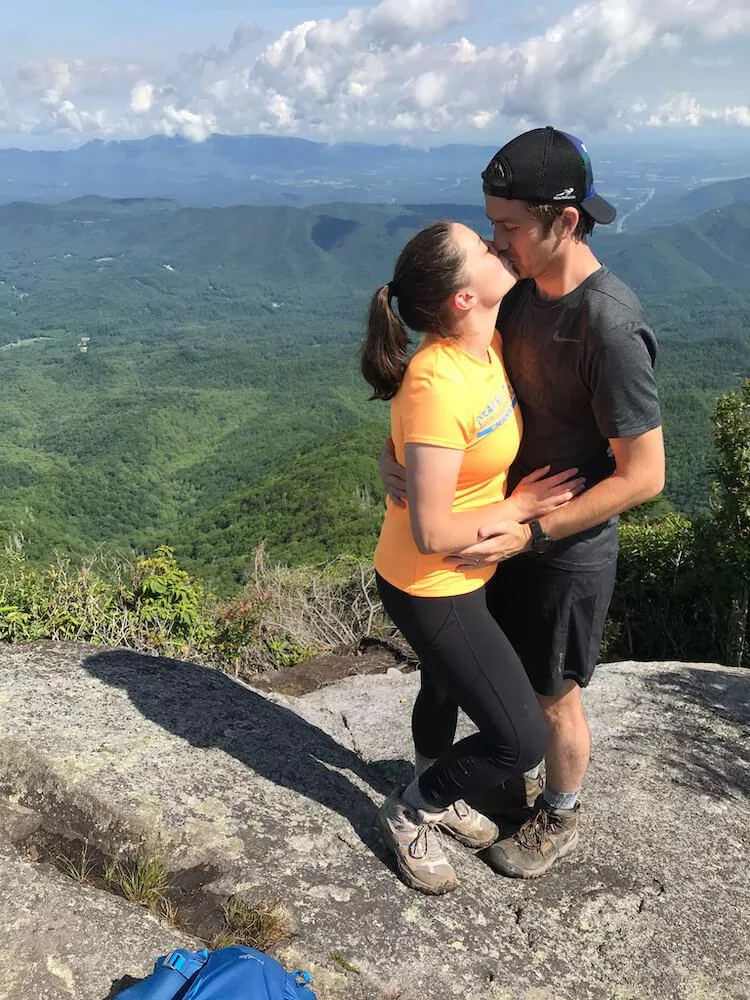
(89, 28)
(402, 70)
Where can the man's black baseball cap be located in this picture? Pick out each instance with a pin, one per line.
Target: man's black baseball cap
(547, 167)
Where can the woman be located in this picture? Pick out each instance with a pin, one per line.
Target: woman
(456, 428)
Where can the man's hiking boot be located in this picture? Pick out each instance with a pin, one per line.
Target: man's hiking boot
(416, 845)
(512, 803)
(468, 826)
(549, 834)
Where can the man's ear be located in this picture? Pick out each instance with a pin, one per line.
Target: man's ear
(569, 220)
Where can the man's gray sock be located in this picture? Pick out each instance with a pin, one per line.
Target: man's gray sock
(560, 800)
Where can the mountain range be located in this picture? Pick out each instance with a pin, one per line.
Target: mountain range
(647, 182)
(352, 246)
(251, 170)
(697, 202)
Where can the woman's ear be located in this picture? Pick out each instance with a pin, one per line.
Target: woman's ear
(464, 300)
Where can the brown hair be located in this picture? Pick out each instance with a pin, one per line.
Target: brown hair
(547, 214)
(429, 270)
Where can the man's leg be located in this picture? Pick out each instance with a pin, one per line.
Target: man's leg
(569, 747)
(557, 625)
(566, 762)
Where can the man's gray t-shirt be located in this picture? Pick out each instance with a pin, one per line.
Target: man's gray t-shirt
(582, 370)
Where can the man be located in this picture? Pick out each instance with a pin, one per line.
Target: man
(580, 358)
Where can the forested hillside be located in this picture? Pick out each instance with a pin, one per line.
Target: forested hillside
(190, 375)
(706, 198)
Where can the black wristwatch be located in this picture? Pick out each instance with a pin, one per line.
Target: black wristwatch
(540, 540)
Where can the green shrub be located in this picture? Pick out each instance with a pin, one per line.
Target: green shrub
(150, 603)
(168, 609)
(682, 590)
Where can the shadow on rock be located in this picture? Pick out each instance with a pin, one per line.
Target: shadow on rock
(120, 985)
(713, 716)
(208, 709)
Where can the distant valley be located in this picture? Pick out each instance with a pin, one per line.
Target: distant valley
(696, 202)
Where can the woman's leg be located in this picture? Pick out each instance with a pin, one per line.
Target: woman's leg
(465, 654)
(433, 720)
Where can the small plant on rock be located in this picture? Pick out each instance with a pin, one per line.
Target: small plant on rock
(257, 925)
(78, 864)
(343, 963)
(144, 879)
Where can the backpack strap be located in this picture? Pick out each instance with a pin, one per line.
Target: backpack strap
(301, 988)
(186, 963)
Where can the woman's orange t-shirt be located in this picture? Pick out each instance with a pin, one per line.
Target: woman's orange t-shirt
(451, 399)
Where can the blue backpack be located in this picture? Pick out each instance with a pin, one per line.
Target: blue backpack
(236, 973)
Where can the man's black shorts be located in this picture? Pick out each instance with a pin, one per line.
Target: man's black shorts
(553, 617)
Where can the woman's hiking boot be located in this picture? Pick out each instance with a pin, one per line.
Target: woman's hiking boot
(415, 842)
(511, 803)
(468, 826)
(548, 835)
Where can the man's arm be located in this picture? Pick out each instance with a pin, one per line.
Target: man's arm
(638, 476)
(392, 475)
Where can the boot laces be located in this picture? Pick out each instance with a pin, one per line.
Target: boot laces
(535, 830)
(426, 845)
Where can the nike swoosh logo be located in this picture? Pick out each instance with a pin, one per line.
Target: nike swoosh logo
(565, 340)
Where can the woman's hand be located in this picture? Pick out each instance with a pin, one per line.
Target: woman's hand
(538, 493)
(392, 474)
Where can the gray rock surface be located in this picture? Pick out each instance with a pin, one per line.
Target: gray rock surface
(278, 793)
(63, 940)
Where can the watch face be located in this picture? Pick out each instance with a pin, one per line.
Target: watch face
(540, 540)
(543, 543)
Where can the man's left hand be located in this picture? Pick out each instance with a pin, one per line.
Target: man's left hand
(498, 542)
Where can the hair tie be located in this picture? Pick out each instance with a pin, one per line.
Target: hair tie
(392, 290)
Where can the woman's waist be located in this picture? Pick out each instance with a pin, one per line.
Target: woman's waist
(399, 561)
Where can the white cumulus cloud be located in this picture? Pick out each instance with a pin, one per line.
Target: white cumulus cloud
(412, 65)
(684, 109)
(142, 97)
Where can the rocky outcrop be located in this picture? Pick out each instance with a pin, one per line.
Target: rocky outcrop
(273, 796)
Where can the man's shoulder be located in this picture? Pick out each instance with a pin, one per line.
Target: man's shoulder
(609, 302)
(613, 317)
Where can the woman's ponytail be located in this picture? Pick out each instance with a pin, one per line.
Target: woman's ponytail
(385, 350)
(429, 270)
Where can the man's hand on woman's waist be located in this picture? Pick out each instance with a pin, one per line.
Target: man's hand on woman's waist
(500, 541)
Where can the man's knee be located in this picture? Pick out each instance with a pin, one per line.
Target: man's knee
(565, 708)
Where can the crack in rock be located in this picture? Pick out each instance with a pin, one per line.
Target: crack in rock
(355, 746)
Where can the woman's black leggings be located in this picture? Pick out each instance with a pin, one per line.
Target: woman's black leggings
(467, 663)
